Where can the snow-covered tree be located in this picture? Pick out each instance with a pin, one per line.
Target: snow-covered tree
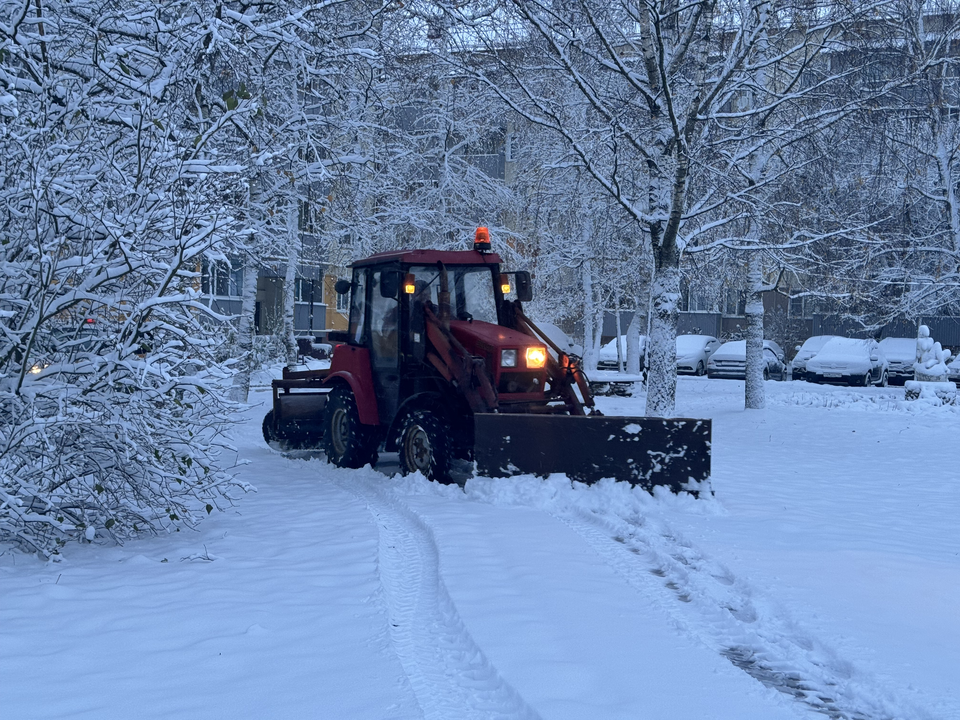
(649, 100)
(108, 203)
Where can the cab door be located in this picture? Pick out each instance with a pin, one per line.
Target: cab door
(384, 334)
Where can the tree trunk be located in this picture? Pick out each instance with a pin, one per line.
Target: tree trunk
(662, 345)
(754, 393)
(289, 284)
(246, 331)
(633, 342)
(619, 345)
(590, 352)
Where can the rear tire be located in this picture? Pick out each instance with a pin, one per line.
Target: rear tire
(267, 428)
(425, 446)
(346, 442)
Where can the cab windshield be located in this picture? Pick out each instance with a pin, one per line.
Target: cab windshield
(471, 291)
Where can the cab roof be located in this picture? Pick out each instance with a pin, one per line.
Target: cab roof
(431, 257)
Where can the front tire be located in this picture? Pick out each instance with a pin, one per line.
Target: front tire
(766, 373)
(425, 447)
(700, 370)
(884, 380)
(346, 442)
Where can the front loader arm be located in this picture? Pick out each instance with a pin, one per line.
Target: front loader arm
(564, 373)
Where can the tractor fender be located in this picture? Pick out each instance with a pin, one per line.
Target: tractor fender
(351, 365)
(366, 400)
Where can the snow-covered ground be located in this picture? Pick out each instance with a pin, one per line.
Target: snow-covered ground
(822, 580)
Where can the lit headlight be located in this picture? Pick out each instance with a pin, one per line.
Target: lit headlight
(508, 358)
(536, 357)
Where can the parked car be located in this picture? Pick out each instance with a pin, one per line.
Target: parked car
(608, 353)
(730, 361)
(849, 361)
(811, 346)
(953, 371)
(901, 353)
(694, 351)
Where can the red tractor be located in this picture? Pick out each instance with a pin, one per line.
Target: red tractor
(440, 363)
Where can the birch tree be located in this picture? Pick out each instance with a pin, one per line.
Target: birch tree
(648, 78)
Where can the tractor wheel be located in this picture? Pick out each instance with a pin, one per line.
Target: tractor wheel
(268, 436)
(425, 446)
(346, 442)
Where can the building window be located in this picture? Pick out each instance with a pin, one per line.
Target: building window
(222, 279)
(734, 302)
(796, 307)
(305, 290)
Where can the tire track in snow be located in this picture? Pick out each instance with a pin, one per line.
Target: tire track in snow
(727, 616)
(449, 673)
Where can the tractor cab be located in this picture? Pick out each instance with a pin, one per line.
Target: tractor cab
(417, 316)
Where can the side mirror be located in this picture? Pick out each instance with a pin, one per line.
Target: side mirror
(874, 357)
(798, 348)
(342, 287)
(524, 286)
(389, 283)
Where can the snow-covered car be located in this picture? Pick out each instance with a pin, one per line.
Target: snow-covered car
(901, 353)
(559, 338)
(849, 361)
(694, 351)
(811, 346)
(953, 371)
(608, 353)
(730, 361)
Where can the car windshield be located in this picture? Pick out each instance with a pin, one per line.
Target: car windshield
(471, 291)
(732, 349)
(813, 344)
(690, 343)
(840, 348)
(899, 348)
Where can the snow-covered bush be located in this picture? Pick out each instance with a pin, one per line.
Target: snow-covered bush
(108, 203)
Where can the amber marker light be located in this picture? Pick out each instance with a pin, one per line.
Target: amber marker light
(536, 357)
(481, 241)
(409, 284)
(505, 288)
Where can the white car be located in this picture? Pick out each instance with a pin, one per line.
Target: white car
(608, 354)
(901, 354)
(694, 351)
(811, 346)
(849, 361)
(730, 361)
(953, 371)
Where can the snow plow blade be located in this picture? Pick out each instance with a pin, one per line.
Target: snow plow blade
(644, 451)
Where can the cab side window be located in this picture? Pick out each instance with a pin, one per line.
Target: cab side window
(384, 320)
(358, 297)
